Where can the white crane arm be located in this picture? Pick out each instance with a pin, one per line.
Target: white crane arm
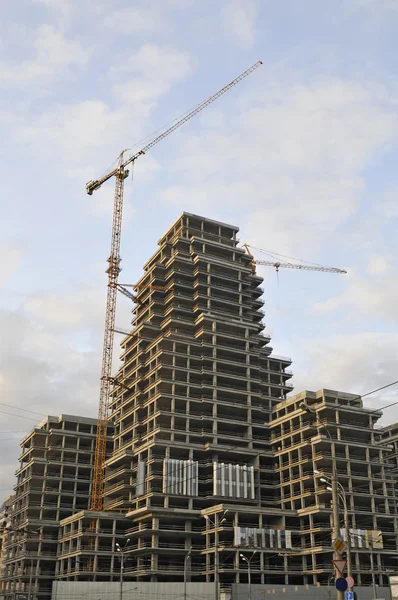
(277, 265)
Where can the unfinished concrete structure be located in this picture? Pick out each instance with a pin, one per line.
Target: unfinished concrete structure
(193, 464)
(5, 523)
(87, 546)
(53, 482)
(209, 458)
(191, 417)
(335, 427)
(390, 438)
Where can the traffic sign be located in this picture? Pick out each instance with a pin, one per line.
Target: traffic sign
(350, 581)
(349, 596)
(341, 584)
(340, 566)
(338, 545)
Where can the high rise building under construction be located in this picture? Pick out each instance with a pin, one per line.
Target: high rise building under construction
(197, 387)
(210, 459)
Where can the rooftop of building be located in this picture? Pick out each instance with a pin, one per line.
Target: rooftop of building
(331, 397)
(192, 216)
(45, 425)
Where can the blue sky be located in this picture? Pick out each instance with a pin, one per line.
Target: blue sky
(301, 155)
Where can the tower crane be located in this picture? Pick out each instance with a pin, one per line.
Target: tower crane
(288, 265)
(120, 173)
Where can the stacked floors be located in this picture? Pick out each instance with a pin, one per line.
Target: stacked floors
(87, 548)
(53, 482)
(309, 432)
(191, 412)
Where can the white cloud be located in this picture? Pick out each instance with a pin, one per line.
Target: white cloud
(377, 6)
(10, 259)
(52, 53)
(388, 205)
(352, 362)
(138, 20)
(152, 71)
(153, 18)
(68, 312)
(81, 136)
(374, 296)
(51, 360)
(238, 21)
(378, 265)
(294, 160)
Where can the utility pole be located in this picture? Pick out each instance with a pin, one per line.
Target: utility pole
(185, 572)
(30, 579)
(249, 575)
(373, 572)
(371, 547)
(342, 495)
(336, 519)
(122, 551)
(28, 532)
(334, 489)
(216, 556)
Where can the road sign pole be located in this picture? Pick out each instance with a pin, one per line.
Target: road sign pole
(336, 520)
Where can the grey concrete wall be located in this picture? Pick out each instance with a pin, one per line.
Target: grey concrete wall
(87, 590)
(106, 590)
(301, 592)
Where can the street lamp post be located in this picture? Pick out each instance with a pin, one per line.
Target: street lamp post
(185, 572)
(335, 497)
(122, 552)
(371, 547)
(221, 521)
(343, 498)
(30, 579)
(248, 561)
(27, 531)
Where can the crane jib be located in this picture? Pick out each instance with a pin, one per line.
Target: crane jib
(94, 185)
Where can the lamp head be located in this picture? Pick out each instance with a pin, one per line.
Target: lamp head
(323, 480)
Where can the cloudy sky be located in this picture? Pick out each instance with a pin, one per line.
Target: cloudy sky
(301, 155)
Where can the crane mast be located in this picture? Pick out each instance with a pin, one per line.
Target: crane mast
(107, 351)
(120, 173)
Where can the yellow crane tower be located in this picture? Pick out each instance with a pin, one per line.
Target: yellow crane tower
(120, 173)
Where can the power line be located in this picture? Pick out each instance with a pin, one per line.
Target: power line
(378, 390)
(259, 453)
(33, 412)
(20, 416)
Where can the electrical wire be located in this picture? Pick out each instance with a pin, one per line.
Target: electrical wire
(33, 412)
(20, 416)
(259, 453)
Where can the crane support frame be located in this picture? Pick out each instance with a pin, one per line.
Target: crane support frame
(113, 271)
